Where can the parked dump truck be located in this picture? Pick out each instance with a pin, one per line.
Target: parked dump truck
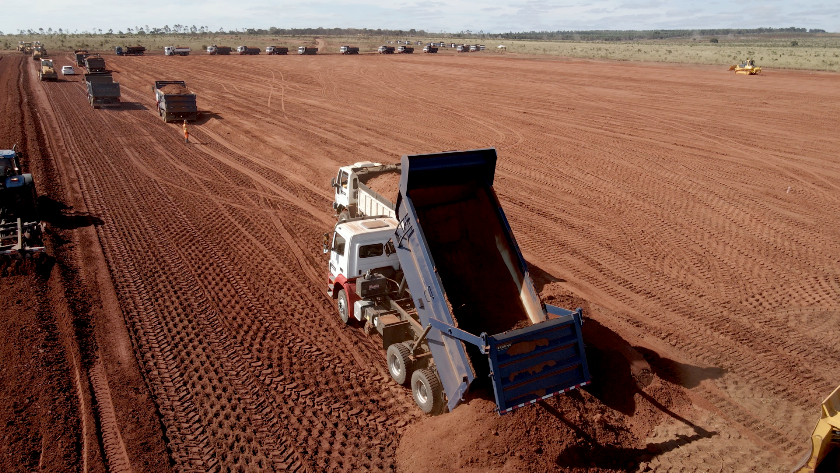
(349, 50)
(174, 101)
(219, 50)
(405, 50)
(462, 48)
(102, 90)
(245, 50)
(386, 49)
(20, 229)
(95, 65)
(176, 51)
(445, 285)
(80, 55)
(276, 50)
(134, 51)
(430, 49)
(307, 50)
(47, 70)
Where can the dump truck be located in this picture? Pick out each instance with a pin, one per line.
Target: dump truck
(276, 50)
(47, 70)
(462, 48)
(307, 50)
(174, 101)
(219, 50)
(80, 55)
(349, 50)
(95, 65)
(134, 51)
(430, 49)
(386, 50)
(405, 50)
(102, 90)
(20, 229)
(354, 198)
(245, 50)
(176, 51)
(444, 284)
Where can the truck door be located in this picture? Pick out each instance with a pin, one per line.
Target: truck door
(338, 255)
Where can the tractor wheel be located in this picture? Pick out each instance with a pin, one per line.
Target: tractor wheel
(427, 391)
(343, 307)
(399, 363)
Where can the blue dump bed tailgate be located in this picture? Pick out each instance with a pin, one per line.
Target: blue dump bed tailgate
(468, 279)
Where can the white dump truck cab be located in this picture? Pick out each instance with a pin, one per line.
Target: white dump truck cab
(346, 185)
(359, 249)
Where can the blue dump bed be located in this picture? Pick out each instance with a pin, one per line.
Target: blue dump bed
(469, 281)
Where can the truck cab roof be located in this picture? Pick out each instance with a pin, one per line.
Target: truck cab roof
(372, 229)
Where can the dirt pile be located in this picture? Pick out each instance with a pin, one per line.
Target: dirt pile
(602, 427)
(175, 89)
(386, 184)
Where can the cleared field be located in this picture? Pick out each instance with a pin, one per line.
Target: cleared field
(693, 212)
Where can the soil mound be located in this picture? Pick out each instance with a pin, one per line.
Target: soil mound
(175, 89)
(386, 184)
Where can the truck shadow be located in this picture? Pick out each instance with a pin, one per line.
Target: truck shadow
(612, 381)
(205, 116)
(590, 454)
(61, 216)
(133, 106)
(541, 278)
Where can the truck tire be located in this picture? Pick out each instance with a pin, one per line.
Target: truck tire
(427, 391)
(343, 307)
(400, 366)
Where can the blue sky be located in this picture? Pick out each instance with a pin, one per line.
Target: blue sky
(434, 16)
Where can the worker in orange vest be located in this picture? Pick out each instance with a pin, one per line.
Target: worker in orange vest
(186, 133)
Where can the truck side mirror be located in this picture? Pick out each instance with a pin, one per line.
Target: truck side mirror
(326, 248)
(332, 182)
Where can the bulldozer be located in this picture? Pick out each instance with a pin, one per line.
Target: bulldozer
(20, 230)
(47, 71)
(37, 53)
(747, 67)
(825, 440)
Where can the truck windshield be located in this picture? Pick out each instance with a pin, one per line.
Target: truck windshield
(338, 244)
(370, 251)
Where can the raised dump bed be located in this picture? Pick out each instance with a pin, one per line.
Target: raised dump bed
(470, 282)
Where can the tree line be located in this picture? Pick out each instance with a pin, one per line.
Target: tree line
(585, 35)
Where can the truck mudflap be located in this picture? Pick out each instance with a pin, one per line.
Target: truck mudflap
(538, 362)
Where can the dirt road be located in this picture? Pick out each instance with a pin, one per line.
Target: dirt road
(695, 212)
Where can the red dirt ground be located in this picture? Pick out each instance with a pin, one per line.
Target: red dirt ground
(691, 212)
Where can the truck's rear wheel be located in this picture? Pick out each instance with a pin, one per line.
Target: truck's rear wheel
(343, 308)
(399, 363)
(427, 391)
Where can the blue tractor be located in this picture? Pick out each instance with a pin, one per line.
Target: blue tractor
(20, 229)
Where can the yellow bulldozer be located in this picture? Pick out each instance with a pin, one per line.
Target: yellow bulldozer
(38, 53)
(747, 67)
(47, 71)
(825, 441)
